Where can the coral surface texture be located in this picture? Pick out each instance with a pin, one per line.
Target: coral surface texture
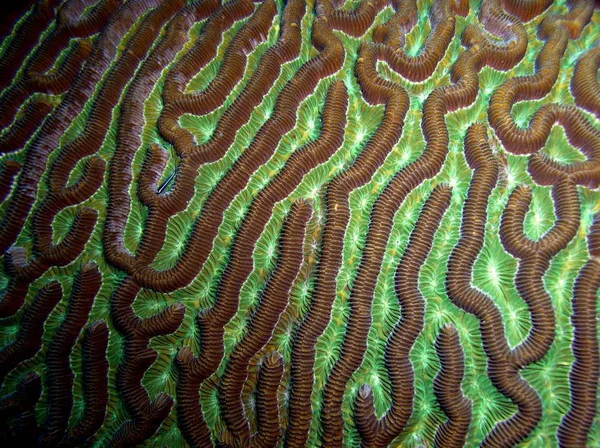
(300, 223)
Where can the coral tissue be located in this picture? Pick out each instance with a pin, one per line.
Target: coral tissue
(300, 223)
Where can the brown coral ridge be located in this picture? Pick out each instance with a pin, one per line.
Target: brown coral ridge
(21, 404)
(376, 91)
(526, 10)
(584, 84)
(460, 291)
(267, 405)
(556, 31)
(15, 138)
(59, 376)
(47, 138)
(577, 423)
(456, 406)
(29, 338)
(356, 22)
(129, 133)
(162, 208)
(177, 102)
(24, 38)
(52, 84)
(381, 432)
(504, 363)
(354, 344)
(211, 321)
(417, 68)
(61, 195)
(442, 100)
(300, 162)
(8, 171)
(95, 385)
(263, 320)
(146, 415)
(535, 257)
(176, 200)
(41, 75)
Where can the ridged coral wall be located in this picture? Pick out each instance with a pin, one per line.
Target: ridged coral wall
(300, 223)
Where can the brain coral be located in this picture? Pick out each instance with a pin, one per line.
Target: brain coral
(300, 223)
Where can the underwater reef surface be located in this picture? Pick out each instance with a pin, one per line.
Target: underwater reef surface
(300, 223)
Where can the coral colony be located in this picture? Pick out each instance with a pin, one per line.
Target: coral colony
(300, 223)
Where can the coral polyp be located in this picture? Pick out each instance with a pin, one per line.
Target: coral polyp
(300, 223)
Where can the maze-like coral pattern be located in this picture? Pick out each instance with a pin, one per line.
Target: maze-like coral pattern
(300, 223)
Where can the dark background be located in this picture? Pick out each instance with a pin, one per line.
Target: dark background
(10, 12)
